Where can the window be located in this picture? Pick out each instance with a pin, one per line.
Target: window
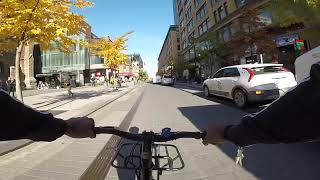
(216, 19)
(197, 2)
(215, 1)
(180, 15)
(191, 38)
(267, 69)
(190, 25)
(219, 74)
(182, 23)
(202, 11)
(1, 67)
(225, 33)
(241, 3)
(192, 53)
(231, 72)
(67, 59)
(204, 27)
(184, 44)
(183, 34)
(189, 13)
(225, 5)
(178, 47)
(222, 12)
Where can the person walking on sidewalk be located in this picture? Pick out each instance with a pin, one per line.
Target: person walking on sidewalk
(93, 80)
(21, 122)
(8, 83)
(13, 86)
(69, 87)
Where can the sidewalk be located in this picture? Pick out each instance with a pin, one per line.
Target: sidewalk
(85, 100)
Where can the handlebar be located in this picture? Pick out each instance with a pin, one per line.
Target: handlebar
(165, 136)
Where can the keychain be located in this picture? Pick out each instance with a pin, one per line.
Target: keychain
(239, 156)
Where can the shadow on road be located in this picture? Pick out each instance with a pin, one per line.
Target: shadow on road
(282, 161)
(251, 108)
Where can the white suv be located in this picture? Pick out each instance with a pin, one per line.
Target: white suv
(250, 82)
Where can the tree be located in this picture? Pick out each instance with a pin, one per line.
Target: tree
(211, 50)
(143, 75)
(178, 65)
(289, 12)
(253, 37)
(51, 23)
(111, 50)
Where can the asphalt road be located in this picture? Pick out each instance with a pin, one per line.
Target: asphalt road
(182, 108)
(154, 107)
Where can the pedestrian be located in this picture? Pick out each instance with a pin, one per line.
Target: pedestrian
(119, 82)
(13, 86)
(93, 80)
(8, 83)
(69, 86)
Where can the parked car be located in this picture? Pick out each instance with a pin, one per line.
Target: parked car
(157, 80)
(303, 64)
(250, 82)
(167, 80)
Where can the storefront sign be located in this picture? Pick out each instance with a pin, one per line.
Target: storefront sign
(286, 40)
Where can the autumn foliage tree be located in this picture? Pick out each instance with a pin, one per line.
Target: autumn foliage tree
(51, 23)
(253, 37)
(290, 12)
(211, 50)
(111, 50)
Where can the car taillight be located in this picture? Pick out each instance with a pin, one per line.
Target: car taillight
(251, 73)
(285, 69)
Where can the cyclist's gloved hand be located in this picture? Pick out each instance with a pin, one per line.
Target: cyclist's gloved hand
(81, 127)
(215, 135)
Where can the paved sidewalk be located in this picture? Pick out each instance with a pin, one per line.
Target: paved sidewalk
(84, 101)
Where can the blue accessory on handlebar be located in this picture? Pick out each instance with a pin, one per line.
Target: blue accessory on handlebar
(166, 132)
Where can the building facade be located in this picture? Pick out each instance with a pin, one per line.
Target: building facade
(197, 17)
(131, 67)
(55, 67)
(170, 48)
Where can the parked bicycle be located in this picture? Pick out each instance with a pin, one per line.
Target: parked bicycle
(145, 156)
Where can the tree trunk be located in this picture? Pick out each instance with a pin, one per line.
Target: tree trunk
(17, 72)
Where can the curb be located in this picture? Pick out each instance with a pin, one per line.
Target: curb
(87, 113)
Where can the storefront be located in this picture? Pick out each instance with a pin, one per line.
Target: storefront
(290, 47)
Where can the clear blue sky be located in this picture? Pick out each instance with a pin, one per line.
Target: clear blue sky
(149, 19)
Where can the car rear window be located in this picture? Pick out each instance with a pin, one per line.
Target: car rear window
(267, 69)
(167, 76)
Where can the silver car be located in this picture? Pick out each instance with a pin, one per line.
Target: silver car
(167, 80)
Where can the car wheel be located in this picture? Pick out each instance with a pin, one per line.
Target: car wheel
(206, 91)
(240, 98)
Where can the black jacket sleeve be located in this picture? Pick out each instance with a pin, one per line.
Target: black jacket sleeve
(295, 117)
(18, 121)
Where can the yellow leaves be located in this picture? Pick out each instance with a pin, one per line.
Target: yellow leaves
(42, 21)
(82, 4)
(35, 31)
(60, 31)
(111, 51)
